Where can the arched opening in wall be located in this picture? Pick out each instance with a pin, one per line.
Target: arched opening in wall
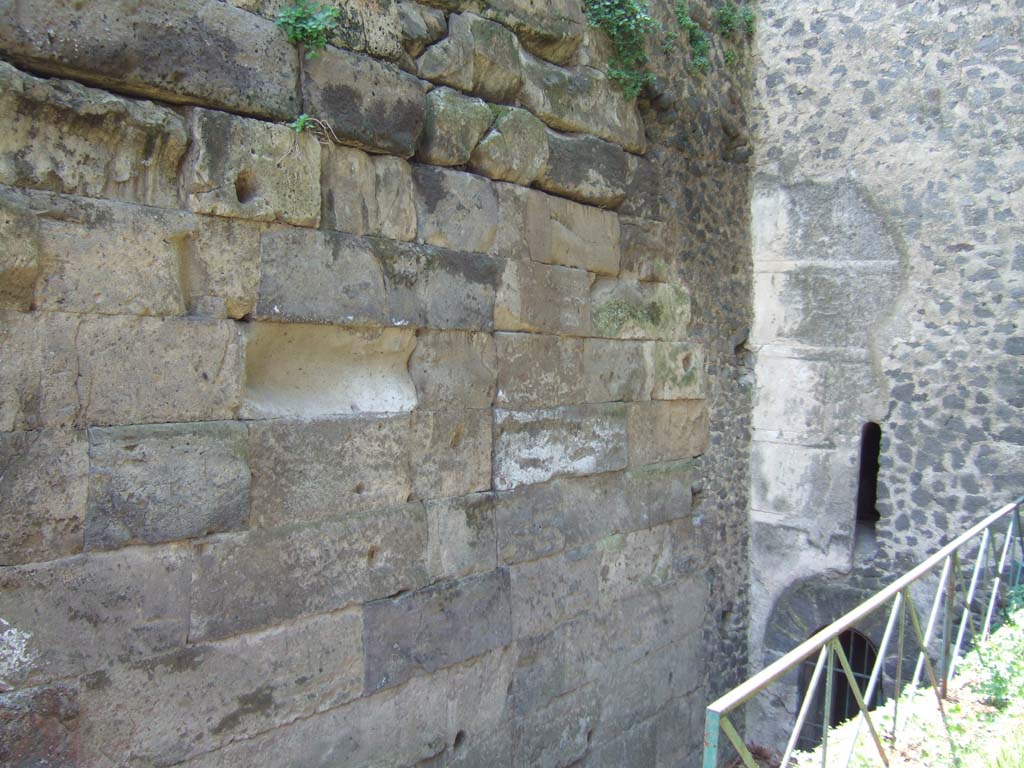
(861, 653)
(867, 489)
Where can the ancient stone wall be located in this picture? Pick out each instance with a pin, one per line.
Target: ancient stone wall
(424, 443)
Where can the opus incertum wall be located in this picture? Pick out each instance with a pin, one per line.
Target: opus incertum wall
(427, 446)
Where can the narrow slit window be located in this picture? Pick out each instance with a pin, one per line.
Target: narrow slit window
(867, 484)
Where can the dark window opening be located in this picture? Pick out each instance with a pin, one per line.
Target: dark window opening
(867, 486)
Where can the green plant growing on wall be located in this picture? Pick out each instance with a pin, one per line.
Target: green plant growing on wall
(732, 18)
(309, 25)
(700, 46)
(627, 24)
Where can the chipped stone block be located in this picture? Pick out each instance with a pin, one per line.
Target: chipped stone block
(452, 127)
(161, 50)
(617, 370)
(557, 734)
(304, 470)
(623, 309)
(536, 371)
(667, 430)
(450, 62)
(198, 698)
(534, 446)
(38, 370)
(166, 482)
(552, 30)
(455, 210)
(421, 26)
(367, 103)
(679, 371)
(461, 535)
(60, 136)
(435, 627)
(451, 452)
(552, 590)
(543, 299)
(221, 267)
(40, 726)
(140, 370)
(515, 148)
(252, 170)
(246, 581)
(562, 232)
(584, 168)
(86, 613)
(453, 369)
(367, 194)
(43, 490)
(580, 100)
(647, 252)
(431, 287)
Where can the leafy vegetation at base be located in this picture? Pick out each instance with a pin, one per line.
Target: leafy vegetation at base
(309, 25)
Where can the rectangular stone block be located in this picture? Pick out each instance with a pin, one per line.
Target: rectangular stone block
(552, 590)
(543, 299)
(222, 267)
(43, 490)
(247, 581)
(314, 470)
(478, 708)
(436, 627)
(367, 194)
(454, 369)
(644, 195)
(251, 169)
(40, 726)
(366, 103)
(562, 232)
(553, 30)
(622, 309)
(662, 431)
(38, 370)
(60, 136)
(461, 535)
(557, 734)
(536, 371)
(320, 277)
(632, 562)
(178, 705)
(431, 287)
(534, 446)
(558, 662)
(455, 209)
(85, 613)
(617, 370)
(584, 168)
(648, 250)
(166, 482)
(450, 452)
(679, 371)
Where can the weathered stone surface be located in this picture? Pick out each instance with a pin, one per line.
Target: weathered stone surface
(541, 298)
(667, 430)
(646, 250)
(43, 489)
(617, 370)
(438, 288)
(645, 196)
(19, 252)
(479, 717)
(166, 482)
(632, 562)
(678, 371)
(38, 370)
(179, 370)
(450, 61)
(455, 210)
(534, 446)
(222, 267)
(496, 67)
(86, 613)
(510, 241)
(515, 149)
(537, 371)
(315, 567)
(452, 126)
(435, 627)
(323, 469)
(580, 100)
(39, 726)
(450, 452)
(557, 735)
(635, 746)
(63, 137)
(453, 369)
(161, 50)
(421, 26)
(584, 168)
(553, 664)
(294, 369)
(320, 277)
(549, 591)
(201, 697)
(562, 232)
(371, 26)
(252, 170)
(624, 309)
(552, 30)
(461, 535)
(367, 103)
(367, 194)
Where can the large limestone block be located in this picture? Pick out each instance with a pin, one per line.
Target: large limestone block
(581, 100)
(63, 137)
(43, 490)
(552, 30)
(38, 370)
(247, 581)
(252, 170)
(315, 470)
(436, 627)
(201, 51)
(496, 68)
(40, 726)
(367, 194)
(624, 309)
(552, 590)
(554, 664)
(648, 250)
(450, 62)
(557, 734)
(679, 371)
(662, 431)
(563, 232)
(454, 369)
(87, 613)
(542, 298)
(584, 168)
(166, 482)
(368, 104)
(455, 210)
(633, 562)
(199, 698)
(536, 370)
(421, 26)
(462, 535)
(452, 127)
(534, 446)
(450, 453)
(617, 370)
(515, 148)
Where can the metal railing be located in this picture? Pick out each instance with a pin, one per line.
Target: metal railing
(995, 561)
